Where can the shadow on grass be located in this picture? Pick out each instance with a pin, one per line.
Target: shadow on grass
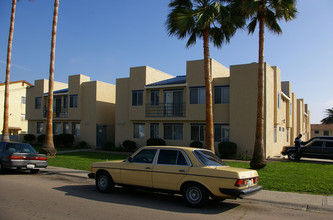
(146, 199)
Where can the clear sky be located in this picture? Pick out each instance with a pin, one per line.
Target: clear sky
(104, 38)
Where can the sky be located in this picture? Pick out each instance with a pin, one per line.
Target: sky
(105, 38)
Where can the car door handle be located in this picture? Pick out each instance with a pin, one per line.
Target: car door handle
(148, 168)
(182, 170)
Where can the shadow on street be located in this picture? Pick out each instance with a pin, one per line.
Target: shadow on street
(146, 199)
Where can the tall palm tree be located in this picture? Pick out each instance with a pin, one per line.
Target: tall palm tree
(267, 13)
(48, 147)
(5, 133)
(329, 117)
(211, 21)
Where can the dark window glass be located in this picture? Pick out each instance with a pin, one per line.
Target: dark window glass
(154, 130)
(73, 101)
(65, 99)
(137, 97)
(38, 102)
(317, 144)
(154, 97)
(329, 144)
(222, 95)
(181, 159)
(198, 95)
(173, 131)
(197, 132)
(145, 156)
(326, 133)
(167, 157)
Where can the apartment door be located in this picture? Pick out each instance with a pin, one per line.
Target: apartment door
(100, 135)
(173, 102)
(57, 106)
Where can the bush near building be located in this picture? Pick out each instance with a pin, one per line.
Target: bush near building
(155, 142)
(227, 149)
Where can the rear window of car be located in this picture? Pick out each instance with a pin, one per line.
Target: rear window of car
(208, 158)
(19, 148)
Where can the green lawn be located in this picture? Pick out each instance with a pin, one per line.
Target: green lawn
(284, 176)
(299, 177)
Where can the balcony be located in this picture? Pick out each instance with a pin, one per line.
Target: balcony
(60, 113)
(166, 110)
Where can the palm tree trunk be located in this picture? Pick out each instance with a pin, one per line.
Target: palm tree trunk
(49, 148)
(209, 139)
(259, 159)
(5, 133)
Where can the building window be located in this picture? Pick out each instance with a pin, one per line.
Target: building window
(275, 134)
(73, 101)
(221, 133)
(173, 131)
(316, 132)
(326, 133)
(139, 131)
(23, 100)
(222, 94)
(65, 100)
(40, 126)
(56, 127)
(76, 128)
(197, 132)
(173, 103)
(38, 102)
(290, 108)
(154, 130)
(137, 97)
(288, 134)
(278, 97)
(22, 117)
(198, 95)
(65, 128)
(154, 97)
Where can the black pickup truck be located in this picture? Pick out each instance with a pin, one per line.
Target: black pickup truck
(317, 147)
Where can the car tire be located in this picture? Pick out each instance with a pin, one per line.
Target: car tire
(34, 171)
(292, 156)
(195, 195)
(104, 182)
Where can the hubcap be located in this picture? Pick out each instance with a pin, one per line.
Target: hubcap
(102, 182)
(194, 194)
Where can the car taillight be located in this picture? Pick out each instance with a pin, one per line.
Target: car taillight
(241, 182)
(284, 149)
(26, 158)
(256, 179)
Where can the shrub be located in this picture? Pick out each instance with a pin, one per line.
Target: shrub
(63, 140)
(227, 149)
(82, 144)
(129, 146)
(196, 144)
(109, 146)
(156, 142)
(41, 139)
(30, 138)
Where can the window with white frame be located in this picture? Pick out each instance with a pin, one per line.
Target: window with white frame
(173, 131)
(139, 130)
(198, 95)
(221, 132)
(222, 94)
(137, 97)
(197, 132)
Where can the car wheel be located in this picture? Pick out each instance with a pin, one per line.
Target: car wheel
(292, 155)
(104, 182)
(34, 171)
(195, 195)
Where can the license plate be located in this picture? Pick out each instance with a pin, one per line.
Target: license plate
(31, 166)
(250, 183)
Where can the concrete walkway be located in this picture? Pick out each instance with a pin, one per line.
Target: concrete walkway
(305, 202)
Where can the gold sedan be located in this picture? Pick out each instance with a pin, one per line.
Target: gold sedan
(195, 173)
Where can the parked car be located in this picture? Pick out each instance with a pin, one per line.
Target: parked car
(195, 173)
(316, 148)
(21, 156)
(317, 137)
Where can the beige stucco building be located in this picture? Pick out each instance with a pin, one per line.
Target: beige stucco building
(151, 103)
(82, 107)
(17, 123)
(321, 130)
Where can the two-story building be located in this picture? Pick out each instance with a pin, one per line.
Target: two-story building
(17, 123)
(154, 104)
(82, 107)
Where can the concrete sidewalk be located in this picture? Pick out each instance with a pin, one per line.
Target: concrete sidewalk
(305, 202)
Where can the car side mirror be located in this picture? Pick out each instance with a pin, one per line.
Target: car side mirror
(130, 159)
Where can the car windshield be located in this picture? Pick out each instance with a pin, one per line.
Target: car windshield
(19, 148)
(208, 158)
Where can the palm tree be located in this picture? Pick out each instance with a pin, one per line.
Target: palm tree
(211, 21)
(48, 147)
(329, 118)
(5, 133)
(267, 13)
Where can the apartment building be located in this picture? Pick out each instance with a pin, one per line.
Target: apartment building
(82, 107)
(321, 130)
(154, 104)
(17, 123)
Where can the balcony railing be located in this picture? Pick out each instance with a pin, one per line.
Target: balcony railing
(166, 110)
(63, 113)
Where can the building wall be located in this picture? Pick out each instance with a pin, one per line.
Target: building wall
(17, 108)
(321, 130)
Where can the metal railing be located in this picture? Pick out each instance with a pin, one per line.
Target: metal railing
(166, 110)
